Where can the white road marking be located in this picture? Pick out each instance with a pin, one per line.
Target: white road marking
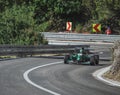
(25, 75)
(98, 74)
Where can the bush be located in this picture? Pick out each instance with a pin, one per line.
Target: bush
(17, 26)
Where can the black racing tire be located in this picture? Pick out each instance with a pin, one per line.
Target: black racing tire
(97, 59)
(92, 60)
(66, 58)
(78, 62)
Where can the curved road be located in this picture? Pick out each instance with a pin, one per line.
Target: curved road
(61, 78)
(64, 79)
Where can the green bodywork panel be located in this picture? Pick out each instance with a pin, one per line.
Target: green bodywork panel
(79, 57)
(82, 56)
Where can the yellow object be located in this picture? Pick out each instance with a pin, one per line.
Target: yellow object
(96, 27)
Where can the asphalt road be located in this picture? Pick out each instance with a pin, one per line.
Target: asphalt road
(64, 79)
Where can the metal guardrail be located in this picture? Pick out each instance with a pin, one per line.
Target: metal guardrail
(81, 37)
(23, 51)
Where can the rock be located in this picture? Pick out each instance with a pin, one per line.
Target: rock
(114, 72)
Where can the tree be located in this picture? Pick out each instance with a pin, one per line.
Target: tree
(60, 11)
(52, 15)
(17, 26)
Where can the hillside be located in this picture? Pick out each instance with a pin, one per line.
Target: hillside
(21, 21)
(114, 72)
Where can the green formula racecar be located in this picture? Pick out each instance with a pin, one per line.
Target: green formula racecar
(82, 56)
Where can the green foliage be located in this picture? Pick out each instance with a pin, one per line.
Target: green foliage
(43, 26)
(17, 26)
(22, 20)
(60, 11)
(109, 15)
(105, 12)
(78, 28)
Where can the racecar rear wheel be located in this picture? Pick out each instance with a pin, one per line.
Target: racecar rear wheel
(66, 59)
(97, 59)
(92, 61)
(78, 62)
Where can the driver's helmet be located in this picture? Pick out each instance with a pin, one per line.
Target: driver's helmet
(81, 50)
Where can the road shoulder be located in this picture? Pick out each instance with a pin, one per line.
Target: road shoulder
(99, 75)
